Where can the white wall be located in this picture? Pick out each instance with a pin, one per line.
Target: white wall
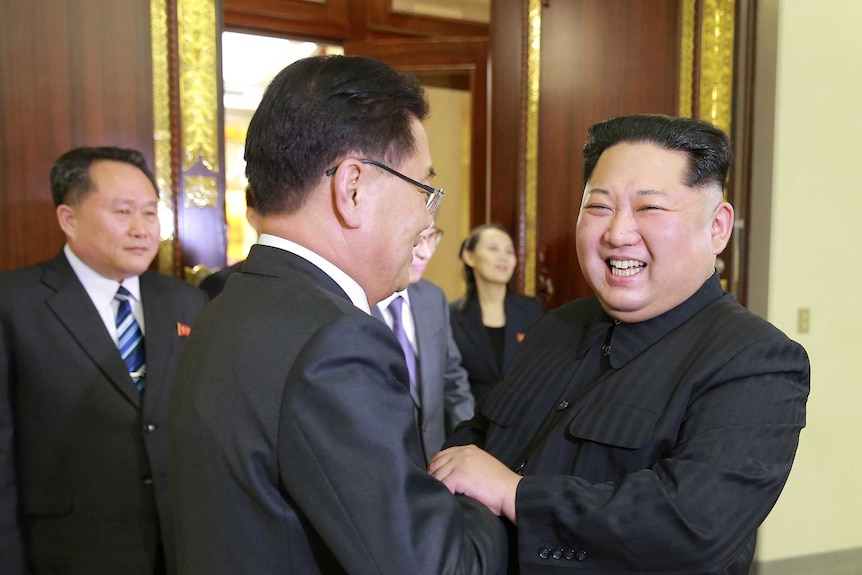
(815, 261)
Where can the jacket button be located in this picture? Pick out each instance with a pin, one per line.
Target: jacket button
(149, 428)
(147, 481)
(563, 405)
(558, 554)
(570, 554)
(606, 350)
(581, 555)
(545, 552)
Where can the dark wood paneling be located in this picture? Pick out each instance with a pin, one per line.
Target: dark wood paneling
(508, 93)
(340, 20)
(600, 58)
(329, 20)
(71, 74)
(381, 18)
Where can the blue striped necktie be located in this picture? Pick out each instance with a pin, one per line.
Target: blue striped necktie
(131, 340)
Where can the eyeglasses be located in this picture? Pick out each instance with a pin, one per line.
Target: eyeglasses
(432, 238)
(433, 195)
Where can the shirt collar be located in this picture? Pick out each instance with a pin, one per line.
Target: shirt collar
(100, 289)
(350, 286)
(630, 339)
(384, 303)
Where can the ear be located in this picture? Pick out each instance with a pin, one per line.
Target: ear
(253, 218)
(66, 218)
(468, 257)
(722, 226)
(348, 192)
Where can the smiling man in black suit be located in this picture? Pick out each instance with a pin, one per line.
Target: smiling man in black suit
(650, 428)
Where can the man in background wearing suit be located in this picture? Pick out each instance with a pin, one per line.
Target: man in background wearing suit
(88, 345)
(214, 283)
(296, 446)
(439, 385)
(650, 428)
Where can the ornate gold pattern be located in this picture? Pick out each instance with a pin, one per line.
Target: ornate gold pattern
(198, 84)
(686, 60)
(716, 75)
(534, 63)
(162, 130)
(166, 256)
(195, 275)
(200, 192)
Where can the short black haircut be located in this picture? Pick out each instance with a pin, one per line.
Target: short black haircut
(321, 109)
(70, 175)
(707, 147)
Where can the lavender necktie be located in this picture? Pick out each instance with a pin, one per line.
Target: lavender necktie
(395, 308)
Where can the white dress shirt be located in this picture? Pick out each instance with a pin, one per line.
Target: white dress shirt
(102, 291)
(406, 316)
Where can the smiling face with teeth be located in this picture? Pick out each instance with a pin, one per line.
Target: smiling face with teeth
(646, 241)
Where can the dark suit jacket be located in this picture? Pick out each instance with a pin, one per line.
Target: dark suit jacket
(296, 448)
(445, 398)
(679, 453)
(213, 284)
(477, 355)
(90, 455)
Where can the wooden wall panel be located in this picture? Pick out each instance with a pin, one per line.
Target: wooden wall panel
(600, 58)
(508, 38)
(71, 74)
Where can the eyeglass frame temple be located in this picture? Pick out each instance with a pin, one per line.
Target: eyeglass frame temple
(435, 195)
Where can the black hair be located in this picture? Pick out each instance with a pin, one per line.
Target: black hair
(707, 147)
(70, 175)
(249, 198)
(317, 111)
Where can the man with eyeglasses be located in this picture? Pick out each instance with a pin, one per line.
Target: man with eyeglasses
(296, 447)
(419, 316)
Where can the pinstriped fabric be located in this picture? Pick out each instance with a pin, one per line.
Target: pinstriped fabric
(131, 340)
(667, 461)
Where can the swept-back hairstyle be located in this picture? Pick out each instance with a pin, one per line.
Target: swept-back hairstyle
(70, 175)
(469, 245)
(317, 111)
(708, 148)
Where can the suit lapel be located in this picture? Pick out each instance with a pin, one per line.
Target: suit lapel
(426, 325)
(510, 333)
(471, 323)
(160, 336)
(74, 309)
(375, 311)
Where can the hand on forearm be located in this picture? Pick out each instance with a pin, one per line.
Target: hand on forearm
(473, 472)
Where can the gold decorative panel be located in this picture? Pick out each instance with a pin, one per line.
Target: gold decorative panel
(716, 52)
(686, 60)
(200, 192)
(199, 104)
(162, 130)
(534, 63)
